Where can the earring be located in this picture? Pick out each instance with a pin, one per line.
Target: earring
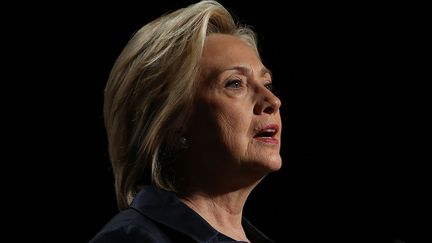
(184, 142)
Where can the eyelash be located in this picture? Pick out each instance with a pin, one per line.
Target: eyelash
(229, 84)
(269, 86)
(234, 81)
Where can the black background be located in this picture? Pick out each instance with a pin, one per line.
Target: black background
(351, 118)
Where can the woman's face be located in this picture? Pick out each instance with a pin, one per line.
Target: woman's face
(236, 124)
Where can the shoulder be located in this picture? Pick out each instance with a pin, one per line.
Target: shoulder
(130, 226)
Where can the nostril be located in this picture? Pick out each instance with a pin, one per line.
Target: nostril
(268, 104)
(269, 110)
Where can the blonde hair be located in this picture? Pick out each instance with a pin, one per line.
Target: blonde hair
(150, 92)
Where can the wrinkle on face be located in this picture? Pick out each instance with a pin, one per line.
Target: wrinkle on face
(223, 122)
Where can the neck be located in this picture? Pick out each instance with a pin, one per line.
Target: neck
(223, 211)
(218, 190)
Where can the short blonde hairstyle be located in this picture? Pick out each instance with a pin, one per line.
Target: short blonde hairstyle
(150, 92)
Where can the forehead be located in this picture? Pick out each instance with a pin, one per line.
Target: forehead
(220, 42)
(221, 50)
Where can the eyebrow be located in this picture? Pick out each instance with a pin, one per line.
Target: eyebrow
(248, 71)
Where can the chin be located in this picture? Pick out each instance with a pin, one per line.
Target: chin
(267, 165)
(275, 165)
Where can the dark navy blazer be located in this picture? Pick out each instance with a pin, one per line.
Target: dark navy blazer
(158, 216)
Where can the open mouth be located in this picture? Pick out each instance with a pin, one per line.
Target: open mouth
(267, 134)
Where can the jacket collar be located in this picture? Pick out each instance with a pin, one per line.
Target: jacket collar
(166, 208)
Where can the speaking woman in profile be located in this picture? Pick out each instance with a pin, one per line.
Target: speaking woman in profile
(189, 105)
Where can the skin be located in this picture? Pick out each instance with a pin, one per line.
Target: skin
(225, 161)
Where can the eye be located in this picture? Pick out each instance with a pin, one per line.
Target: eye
(233, 84)
(269, 86)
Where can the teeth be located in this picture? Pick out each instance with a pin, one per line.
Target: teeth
(269, 132)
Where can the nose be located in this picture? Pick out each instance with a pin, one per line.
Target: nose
(267, 102)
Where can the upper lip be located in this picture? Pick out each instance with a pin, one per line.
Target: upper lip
(271, 130)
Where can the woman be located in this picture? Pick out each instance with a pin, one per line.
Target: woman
(189, 105)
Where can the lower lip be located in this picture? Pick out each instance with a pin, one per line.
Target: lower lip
(268, 140)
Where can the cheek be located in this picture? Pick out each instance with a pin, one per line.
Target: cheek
(234, 126)
(226, 122)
